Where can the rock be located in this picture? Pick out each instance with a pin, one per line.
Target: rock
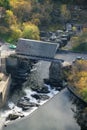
(47, 81)
(24, 108)
(59, 88)
(36, 96)
(44, 97)
(43, 90)
(12, 117)
(40, 97)
(35, 88)
(40, 90)
(26, 98)
(25, 104)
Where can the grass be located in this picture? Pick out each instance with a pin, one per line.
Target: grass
(84, 94)
(82, 47)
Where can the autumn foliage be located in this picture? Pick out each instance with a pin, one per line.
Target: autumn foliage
(77, 77)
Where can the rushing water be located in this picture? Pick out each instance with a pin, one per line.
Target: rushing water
(37, 74)
(58, 112)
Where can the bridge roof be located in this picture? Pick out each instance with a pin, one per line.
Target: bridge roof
(36, 48)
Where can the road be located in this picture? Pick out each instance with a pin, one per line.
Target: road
(70, 56)
(5, 51)
(62, 54)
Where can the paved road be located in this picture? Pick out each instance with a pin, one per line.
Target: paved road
(70, 56)
(64, 55)
(5, 49)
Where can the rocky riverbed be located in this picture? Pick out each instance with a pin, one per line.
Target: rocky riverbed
(30, 95)
(41, 85)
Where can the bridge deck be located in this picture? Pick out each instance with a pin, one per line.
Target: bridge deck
(39, 58)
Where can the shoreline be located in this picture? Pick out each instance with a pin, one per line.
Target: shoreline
(76, 95)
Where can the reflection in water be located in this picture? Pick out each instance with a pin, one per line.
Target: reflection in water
(80, 112)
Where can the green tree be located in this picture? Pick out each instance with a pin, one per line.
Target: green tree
(65, 13)
(43, 11)
(30, 31)
(77, 77)
(21, 9)
(5, 4)
(15, 33)
(10, 17)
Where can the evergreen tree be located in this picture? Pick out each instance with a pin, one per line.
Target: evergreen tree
(5, 4)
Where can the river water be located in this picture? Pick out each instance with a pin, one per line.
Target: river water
(56, 114)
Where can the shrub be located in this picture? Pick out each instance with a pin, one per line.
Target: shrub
(3, 30)
(10, 17)
(84, 94)
(80, 43)
(30, 31)
(77, 77)
(81, 47)
(15, 33)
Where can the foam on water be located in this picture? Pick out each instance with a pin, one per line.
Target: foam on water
(34, 69)
(52, 91)
(29, 93)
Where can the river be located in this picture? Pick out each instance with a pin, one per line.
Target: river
(55, 114)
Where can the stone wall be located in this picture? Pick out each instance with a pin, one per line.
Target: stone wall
(4, 89)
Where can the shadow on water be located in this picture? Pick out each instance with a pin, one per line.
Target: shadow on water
(80, 111)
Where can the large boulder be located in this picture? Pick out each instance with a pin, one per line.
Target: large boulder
(12, 117)
(40, 97)
(26, 104)
(38, 89)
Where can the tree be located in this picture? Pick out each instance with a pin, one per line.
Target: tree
(5, 4)
(77, 77)
(10, 17)
(30, 31)
(15, 33)
(65, 13)
(43, 11)
(21, 9)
